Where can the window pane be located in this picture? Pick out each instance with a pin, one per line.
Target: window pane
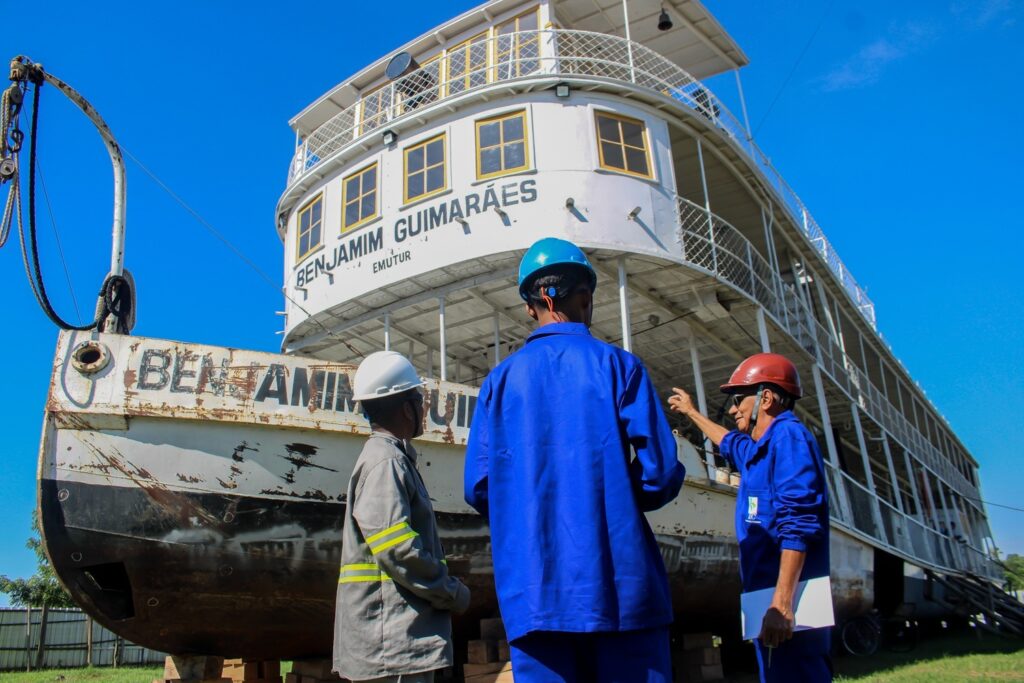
(303, 244)
(435, 152)
(633, 134)
(515, 155)
(612, 155)
(457, 62)
(414, 161)
(415, 185)
(636, 161)
(352, 187)
(490, 160)
(608, 128)
(314, 236)
(528, 22)
(435, 178)
(316, 211)
(512, 128)
(478, 55)
(351, 213)
(489, 134)
(304, 222)
(370, 179)
(369, 204)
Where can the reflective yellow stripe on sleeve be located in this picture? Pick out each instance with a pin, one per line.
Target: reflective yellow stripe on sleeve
(393, 541)
(383, 540)
(390, 530)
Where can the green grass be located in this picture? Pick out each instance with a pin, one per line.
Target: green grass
(955, 657)
(92, 674)
(938, 659)
(124, 674)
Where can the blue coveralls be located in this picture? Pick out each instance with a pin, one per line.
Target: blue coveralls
(580, 580)
(783, 504)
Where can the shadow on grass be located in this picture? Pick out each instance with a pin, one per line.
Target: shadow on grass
(933, 648)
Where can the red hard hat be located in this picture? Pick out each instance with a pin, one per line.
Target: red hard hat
(765, 368)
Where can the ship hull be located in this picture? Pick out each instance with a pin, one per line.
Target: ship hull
(267, 588)
(191, 500)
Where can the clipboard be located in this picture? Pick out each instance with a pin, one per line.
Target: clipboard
(812, 607)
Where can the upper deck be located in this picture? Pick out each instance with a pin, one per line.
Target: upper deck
(496, 50)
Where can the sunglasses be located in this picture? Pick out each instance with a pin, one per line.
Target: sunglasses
(736, 399)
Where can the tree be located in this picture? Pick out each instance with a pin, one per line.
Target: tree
(42, 589)
(1013, 570)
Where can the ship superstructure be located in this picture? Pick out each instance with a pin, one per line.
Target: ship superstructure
(413, 191)
(412, 194)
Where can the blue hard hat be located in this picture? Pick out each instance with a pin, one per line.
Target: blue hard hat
(548, 252)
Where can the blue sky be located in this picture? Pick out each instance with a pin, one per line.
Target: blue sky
(899, 127)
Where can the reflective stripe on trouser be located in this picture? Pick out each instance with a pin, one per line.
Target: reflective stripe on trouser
(391, 536)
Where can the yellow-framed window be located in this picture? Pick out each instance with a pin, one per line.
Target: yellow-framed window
(310, 233)
(622, 145)
(517, 45)
(467, 64)
(425, 169)
(501, 145)
(359, 198)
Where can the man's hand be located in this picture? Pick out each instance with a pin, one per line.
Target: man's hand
(777, 626)
(681, 402)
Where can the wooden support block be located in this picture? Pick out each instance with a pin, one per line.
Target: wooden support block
(292, 678)
(193, 667)
(502, 675)
(477, 669)
(492, 629)
(481, 651)
(694, 641)
(503, 654)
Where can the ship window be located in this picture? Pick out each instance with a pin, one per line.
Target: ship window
(425, 169)
(359, 198)
(518, 46)
(310, 222)
(501, 145)
(622, 144)
(467, 64)
(374, 108)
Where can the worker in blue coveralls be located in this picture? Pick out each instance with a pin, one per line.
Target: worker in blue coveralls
(781, 509)
(568, 448)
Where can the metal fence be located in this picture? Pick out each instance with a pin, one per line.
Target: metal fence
(710, 243)
(69, 639)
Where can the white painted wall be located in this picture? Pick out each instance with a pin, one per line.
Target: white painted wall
(563, 153)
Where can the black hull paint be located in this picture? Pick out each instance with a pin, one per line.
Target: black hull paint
(255, 577)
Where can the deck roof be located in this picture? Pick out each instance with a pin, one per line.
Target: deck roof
(696, 42)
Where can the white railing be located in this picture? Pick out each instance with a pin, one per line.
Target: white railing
(714, 245)
(557, 53)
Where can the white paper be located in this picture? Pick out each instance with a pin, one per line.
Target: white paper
(812, 604)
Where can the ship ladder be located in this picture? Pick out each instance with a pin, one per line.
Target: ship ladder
(969, 595)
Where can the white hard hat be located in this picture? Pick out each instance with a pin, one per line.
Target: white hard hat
(384, 373)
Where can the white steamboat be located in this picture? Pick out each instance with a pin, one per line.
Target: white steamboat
(192, 495)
